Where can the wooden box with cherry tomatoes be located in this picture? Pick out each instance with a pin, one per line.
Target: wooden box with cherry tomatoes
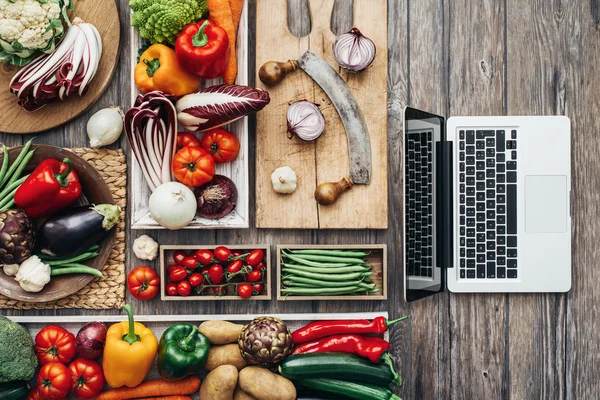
(215, 272)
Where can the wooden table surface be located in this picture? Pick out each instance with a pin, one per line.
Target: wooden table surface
(461, 57)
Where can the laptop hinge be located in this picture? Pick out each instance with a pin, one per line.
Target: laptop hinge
(447, 234)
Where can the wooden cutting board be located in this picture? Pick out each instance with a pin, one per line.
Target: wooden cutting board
(104, 15)
(326, 159)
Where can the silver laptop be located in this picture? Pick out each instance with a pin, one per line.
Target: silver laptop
(486, 204)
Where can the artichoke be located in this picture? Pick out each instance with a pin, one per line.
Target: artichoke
(265, 341)
(16, 237)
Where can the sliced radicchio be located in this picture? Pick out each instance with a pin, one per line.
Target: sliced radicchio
(151, 127)
(219, 105)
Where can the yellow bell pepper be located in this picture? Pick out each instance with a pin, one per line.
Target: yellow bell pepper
(159, 69)
(129, 352)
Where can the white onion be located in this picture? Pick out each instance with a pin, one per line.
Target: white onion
(353, 51)
(105, 127)
(173, 205)
(305, 120)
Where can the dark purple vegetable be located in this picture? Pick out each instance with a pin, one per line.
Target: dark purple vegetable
(217, 198)
(75, 229)
(219, 105)
(90, 340)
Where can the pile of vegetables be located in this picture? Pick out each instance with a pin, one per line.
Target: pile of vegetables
(219, 272)
(326, 272)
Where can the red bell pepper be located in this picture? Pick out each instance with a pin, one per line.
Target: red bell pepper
(52, 186)
(203, 49)
(320, 329)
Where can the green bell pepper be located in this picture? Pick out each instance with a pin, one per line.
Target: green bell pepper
(182, 351)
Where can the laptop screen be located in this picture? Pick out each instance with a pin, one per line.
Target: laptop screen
(423, 136)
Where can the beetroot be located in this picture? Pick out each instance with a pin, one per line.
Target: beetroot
(217, 198)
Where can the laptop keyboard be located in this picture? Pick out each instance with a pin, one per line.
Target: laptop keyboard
(488, 204)
(419, 204)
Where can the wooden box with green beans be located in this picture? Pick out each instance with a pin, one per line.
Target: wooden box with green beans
(332, 272)
(208, 272)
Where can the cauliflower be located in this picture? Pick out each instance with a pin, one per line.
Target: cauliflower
(30, 26)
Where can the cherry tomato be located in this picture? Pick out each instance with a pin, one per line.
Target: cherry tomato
(261, 265)
(196, 279)
(255, 257)
(177, 273)
(244, 290)
(87, 379)
(178, 256)
(257, 288)
(215, 274)
(143, 283)
(172, 289)
(219, 290)
(184, 288)
(54, 380)
(254, 276)
(234, 266)
(222, 253)
(54, 343)
(190, 262)
(236, 253)
(204, 257)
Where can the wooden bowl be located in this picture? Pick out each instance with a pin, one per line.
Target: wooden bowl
(95, 191)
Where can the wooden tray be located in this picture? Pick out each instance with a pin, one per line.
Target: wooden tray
(104, 15)
(95, 191)
(326, 159)
(166, 258)
(377, 258)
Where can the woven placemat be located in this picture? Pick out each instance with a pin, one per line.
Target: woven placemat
(109, 291)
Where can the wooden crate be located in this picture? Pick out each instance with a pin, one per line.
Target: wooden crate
(377, 258)
(166, 259)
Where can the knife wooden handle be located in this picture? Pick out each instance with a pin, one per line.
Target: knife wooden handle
(272, 72)
(327, 193)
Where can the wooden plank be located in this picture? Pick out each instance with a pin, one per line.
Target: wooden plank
(476, 87)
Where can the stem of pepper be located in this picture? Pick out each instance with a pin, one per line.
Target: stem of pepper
(200, 39)
(187, 343)
(131, 336)
(388, 360)
(62, 178)
(392, 322)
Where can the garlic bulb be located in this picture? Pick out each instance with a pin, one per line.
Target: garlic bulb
(33, 275)
(305, 120)
(11, 269)
(145, 248)
(284, 180)
(105, 127)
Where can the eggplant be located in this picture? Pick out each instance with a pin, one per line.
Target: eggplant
(76, 229)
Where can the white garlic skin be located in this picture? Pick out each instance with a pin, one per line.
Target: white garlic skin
(284, 180)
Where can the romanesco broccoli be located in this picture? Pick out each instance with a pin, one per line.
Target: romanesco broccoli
(17, 358)
(161, 21)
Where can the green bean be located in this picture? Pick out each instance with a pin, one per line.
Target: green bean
(328, 270)
(81, 257)
(334, 253)
(15, 165)
(91, 249)
(324, 277)
(8, 206)
(75, 269)
(7, 200)
(312, 263)
(315, 282)
(11, 187)
(340, 260)
(366, 274)
(22, 167)
(4, 163)
(321, 291)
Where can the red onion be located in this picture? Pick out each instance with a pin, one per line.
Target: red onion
(305, 120)
(90, 340)
(217, 198)
(58, 75)
(353, 51)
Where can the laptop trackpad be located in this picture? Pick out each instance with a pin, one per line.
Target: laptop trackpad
(546, 204)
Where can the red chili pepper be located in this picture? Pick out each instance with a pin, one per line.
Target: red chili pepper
(203, 49)
(370, 347)
(52, 186)
(320, 329)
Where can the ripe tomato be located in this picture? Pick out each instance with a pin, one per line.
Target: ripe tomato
(190, 262)
(236, 253)
(255, 257)
(177, 273)
(54, 343)
(254, 276)
(143, 283)
(204, 257)
(34, 394)
(257, 288)
(244, 290)
(222, 253)
(54, 380)
(221, 144)
(186, 139)
(219, 290)
(196, 279)
(172, 289)
(178, 256)
(193, 166)
(184, 288)
(234, 266)
(87, 378)
(261, 265)
(215, 274)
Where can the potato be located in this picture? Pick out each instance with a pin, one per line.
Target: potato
(220, 383)
(220, 332)
(228, 354)
(239, 394)
(265, 385)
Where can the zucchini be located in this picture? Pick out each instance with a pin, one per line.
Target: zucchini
(17, 390)
(337, 366)
(347, 390)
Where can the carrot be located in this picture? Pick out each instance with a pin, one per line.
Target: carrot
(220, 13)
(236, 12)
(168, 398)
(156, 388)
